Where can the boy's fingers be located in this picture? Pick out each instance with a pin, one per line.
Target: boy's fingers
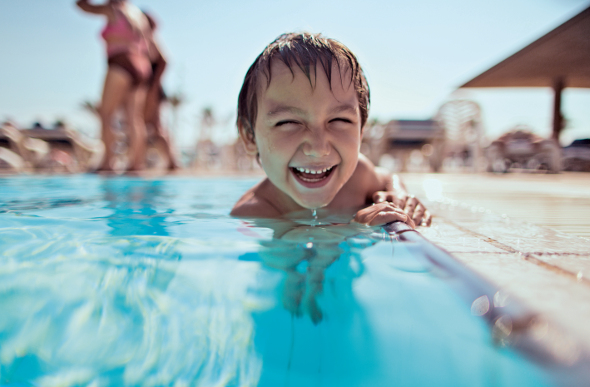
(389, 212)
(384, 217)
(398, 199)
(402, 200)
(410, 206)
(365, 214)
(380, 214)
(427, 219)
(385, 196)
(418, 214)
(386, 205)
(387, 209)
(379, 197)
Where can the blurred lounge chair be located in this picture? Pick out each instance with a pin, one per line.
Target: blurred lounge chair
(522, 149)
(19, 152)
(576, 156)
(10, 161)
(68, 151)
(464, 135)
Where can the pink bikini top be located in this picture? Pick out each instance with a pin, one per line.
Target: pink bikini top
(120, 37)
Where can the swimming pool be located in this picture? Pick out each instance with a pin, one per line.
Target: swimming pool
(129, 281)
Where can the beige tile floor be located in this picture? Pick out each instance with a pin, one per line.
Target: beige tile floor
(560, 201)
(528, 234)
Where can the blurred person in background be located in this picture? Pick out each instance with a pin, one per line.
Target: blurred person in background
(157, 135)
(127, 35)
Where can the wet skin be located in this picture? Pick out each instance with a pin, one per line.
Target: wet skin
(302, 128)
(307, 136)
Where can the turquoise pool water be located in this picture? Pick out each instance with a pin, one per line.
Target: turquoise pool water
(126, 281)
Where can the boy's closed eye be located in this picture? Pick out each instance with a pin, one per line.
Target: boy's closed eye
(286, 122)
(342, 119)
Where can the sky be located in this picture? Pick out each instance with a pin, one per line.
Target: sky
(415, 55)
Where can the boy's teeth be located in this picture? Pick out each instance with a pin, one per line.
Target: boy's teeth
(305, 170)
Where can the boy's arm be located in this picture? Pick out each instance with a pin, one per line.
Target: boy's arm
(393, 202)
(103, 9)
(393, 189)
(397, 193)
(253, 204)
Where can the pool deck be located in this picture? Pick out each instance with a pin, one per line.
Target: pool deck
(527, 234)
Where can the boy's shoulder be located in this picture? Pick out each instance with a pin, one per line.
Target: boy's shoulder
(254, 203)
(364, 182)
(372, 178)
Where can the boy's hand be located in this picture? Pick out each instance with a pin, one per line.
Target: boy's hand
(411, 206)
(382, 213)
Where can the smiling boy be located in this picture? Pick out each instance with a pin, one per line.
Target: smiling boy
(301, 112)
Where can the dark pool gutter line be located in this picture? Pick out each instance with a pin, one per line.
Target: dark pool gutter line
(477, 286)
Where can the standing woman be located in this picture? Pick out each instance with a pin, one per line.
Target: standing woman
(126, 36)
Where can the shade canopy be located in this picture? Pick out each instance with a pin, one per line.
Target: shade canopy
(562, 54)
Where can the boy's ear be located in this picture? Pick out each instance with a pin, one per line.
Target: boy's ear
(248, 139)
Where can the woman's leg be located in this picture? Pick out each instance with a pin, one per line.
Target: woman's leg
(158, 136)
(137, 132)
(116, 88)
(162, 142)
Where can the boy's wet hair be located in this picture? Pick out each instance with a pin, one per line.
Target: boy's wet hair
(305, 51)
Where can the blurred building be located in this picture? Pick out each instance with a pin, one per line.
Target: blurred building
(402, 145)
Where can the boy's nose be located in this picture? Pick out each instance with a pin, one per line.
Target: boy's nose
(316, 144)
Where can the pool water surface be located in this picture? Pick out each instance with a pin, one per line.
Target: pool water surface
(129, 281)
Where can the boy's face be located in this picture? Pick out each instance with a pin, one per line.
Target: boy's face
(308, 138)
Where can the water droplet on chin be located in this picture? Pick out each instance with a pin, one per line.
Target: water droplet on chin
(314, 214)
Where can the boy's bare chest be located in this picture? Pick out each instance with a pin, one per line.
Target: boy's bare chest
(352, 195)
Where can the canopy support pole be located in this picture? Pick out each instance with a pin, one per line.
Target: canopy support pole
(558, 86)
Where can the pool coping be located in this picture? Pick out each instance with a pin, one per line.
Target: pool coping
(513, 323)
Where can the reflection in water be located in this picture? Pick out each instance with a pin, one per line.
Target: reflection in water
(125, 308)
(135, 207)
(123, 323)
(480, 306)
(134, 288)
(304, 253)
(81, 306)
(318, 324)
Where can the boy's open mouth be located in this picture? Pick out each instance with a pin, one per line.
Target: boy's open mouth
(312, 178)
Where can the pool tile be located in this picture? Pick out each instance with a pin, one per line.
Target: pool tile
(578, 264)
(453, 239)
(541, 290)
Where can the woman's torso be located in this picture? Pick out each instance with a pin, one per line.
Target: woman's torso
(121, 37)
